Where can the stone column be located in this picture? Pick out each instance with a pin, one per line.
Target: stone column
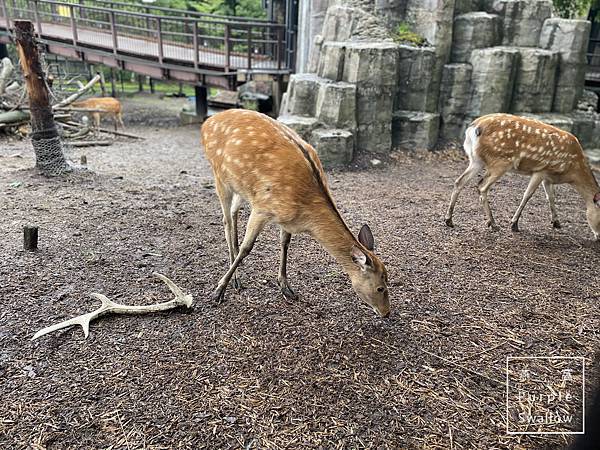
(492, 80)
(569, 38)
(535, 80)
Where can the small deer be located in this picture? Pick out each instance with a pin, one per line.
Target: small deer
(503, 142)
(108, 106)
(261, 161)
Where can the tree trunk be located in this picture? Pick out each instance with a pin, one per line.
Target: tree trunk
(50, 159)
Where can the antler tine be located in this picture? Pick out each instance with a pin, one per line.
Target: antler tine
(108, 306)
(83, 320)
(186, 299)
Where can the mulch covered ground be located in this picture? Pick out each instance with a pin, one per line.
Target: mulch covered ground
(258, 371)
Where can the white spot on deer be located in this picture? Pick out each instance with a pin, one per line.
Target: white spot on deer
(537, 131)
(503, 123)
(228, 158)
(219, 151)
(517, 143)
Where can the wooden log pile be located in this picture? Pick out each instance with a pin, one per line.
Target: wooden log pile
(14, 108)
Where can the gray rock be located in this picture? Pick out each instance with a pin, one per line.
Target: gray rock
(522, 19)
(343, 23)
(374, 103)
(584, 128)
(535, 80)
(331, 61)
(474, 30)
(304, 126)
(415, 130)
(588, 101)
(494, 72)
(374, 137)
(569, 38)
(302, 94)
(315, 54)
(335, 147)
(371, 62)
(416, 66)
(454, 99)
(336, 105)
(466, 6)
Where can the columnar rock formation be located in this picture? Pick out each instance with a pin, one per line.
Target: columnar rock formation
(363, 90)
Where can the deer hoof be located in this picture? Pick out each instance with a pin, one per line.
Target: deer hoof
(514, 226)
(449, 222)
(493, 226)
(287, 291)
(556, 224)
(237, 284)
(218, 295)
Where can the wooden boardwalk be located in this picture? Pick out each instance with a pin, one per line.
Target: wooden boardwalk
(201, 48)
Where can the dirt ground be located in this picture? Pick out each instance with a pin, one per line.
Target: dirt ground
(257, 371)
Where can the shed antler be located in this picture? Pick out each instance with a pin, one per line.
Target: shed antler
(109, 306)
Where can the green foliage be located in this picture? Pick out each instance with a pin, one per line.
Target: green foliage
(573, 9)
(404, 35)
(240, 8)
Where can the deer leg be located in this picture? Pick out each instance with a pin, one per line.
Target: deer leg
(256, 223)
(534, 183)
(235, 209)
(549, 189)
(459, 184)
(226, 199)
(286, 289)
(115, 121)
(120, 119)
(96, 119)
(484, 186)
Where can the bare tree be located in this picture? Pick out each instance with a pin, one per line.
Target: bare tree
(47, 144)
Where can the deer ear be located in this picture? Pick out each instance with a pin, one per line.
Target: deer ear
(597, 199)
(360, 259)
(365, 237)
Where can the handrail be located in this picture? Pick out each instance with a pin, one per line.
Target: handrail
(178, 12)
(197, 41)
(156, 16)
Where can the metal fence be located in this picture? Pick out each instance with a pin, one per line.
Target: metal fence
(184, 38)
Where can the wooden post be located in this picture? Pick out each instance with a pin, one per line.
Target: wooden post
(50, 159)
(195, 44)
(140, 83)
(30, 238)
(227, 47)
(160, 40)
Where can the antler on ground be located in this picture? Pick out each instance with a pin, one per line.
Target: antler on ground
(109, 306)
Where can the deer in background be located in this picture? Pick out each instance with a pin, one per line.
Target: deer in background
(261, 161)
(106, 106)
(503, 142)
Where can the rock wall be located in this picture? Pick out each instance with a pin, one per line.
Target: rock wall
(366, 91)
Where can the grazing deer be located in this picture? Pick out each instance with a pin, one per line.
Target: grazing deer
(503, 142)
(108, 106)
(259, 160)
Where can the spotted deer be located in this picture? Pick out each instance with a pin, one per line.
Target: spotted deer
(500, 143)
(106, 106)
(258, 160)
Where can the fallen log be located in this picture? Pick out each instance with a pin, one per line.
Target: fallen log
(90, 143)
(14, 116)
(70, 99)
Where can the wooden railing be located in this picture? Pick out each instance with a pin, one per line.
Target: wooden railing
(190, 39)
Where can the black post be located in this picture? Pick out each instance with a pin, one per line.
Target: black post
(113, 88)
(140, 83)
(30, 238)
(151, 82)
(201, 101)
